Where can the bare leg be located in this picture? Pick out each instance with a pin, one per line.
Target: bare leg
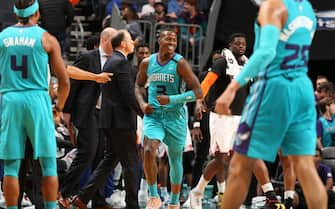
(50, 188)
(240, 171)
(149, 163)
(11, 190)
(314, 191)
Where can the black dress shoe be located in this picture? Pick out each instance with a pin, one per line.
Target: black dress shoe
(78, 203)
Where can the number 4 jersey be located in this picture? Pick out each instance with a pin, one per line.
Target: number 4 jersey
(164, 80)
(295, 39)
(23, 60)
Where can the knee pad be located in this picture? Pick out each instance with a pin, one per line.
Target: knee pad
(12, 168)
(176, 165)
(48, 166)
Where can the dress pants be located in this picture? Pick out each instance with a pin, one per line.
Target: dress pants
(120, 147)
(90, 143)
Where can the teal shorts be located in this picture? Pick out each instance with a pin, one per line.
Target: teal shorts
(26, 114)
(279, 113)
(169, 127)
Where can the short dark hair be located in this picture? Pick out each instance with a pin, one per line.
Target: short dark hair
(144, 45)
(22, 4)
(325, 102)
(118, 38)
(236, 35)
(167, 28)
(321, 77)
(327, 87)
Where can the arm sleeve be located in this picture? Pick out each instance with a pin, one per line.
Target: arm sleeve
(187, 96)
(263, 55)
(208, 82)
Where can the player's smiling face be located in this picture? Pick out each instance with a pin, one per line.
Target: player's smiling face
(168, 42)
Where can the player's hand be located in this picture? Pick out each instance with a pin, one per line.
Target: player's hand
(196, 134)
(147, 108)
(163, 99)
(103, 77)
(200, 107)
(57, 115)
(222, 104)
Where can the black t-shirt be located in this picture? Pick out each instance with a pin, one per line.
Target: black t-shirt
(219, 67)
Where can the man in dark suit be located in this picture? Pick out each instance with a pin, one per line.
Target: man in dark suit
(118, 119)
(83, 106)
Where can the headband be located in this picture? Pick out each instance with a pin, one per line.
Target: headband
(26, 12)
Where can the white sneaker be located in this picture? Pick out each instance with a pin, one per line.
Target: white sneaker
(187, 203)
(177, 206)
(25, 201)
(29, 207)
(117, 199)
(166, 198)
(2, 201)
(142, 197)
(195, 200)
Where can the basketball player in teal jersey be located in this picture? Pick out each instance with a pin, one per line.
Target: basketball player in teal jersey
(26, 112)
(280, 110)
(165, 117)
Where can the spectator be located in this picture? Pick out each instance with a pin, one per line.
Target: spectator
(321, 79)
(129, 14)
(56, 18)
(159, 14)
(175, 8)
(148, 8)
(191, 36)
(326, 127)
(325, 89)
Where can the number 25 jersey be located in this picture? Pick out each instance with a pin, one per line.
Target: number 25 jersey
(23, 60)
(164, 80)
(292, 53)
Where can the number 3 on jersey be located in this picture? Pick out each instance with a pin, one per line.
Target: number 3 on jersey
(23, 67)
(161, 89)
(297, 59)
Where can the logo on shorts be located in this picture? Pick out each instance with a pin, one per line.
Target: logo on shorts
(243, 131)
(243, 136)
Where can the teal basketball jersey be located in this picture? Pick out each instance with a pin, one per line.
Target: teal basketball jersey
(23, 60)
(294, 42)
(164, 80)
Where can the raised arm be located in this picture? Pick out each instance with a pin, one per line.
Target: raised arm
(52, 47)
(141, 80)
(79, 74)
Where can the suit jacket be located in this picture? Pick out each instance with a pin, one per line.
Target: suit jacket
(119, 106)
(83, 95)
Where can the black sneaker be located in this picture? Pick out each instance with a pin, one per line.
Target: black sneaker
(289, 203)
(274, 204)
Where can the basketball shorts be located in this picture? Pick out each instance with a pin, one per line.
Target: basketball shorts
(26, 115)
(279, 113)
(222, 131)
(169, 127)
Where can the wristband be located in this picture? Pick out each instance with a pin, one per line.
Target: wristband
(196, 124)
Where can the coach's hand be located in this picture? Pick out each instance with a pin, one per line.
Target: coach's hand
(163, 99)
(196, 134)
(147, 108)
